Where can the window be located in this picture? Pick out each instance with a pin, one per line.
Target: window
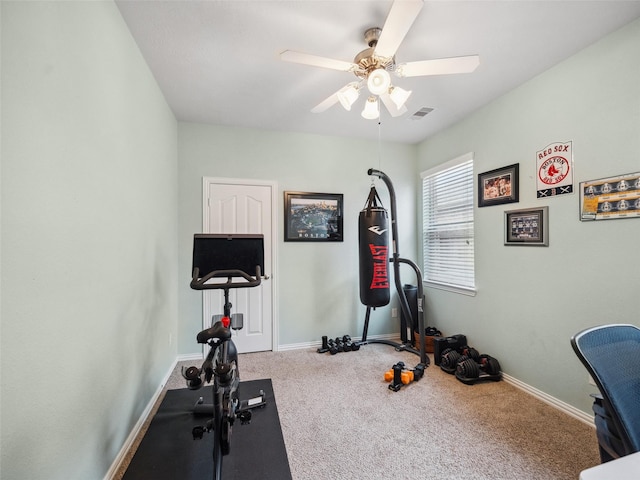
(447, 226)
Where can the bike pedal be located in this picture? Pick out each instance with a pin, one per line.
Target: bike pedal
(245, 417)
(198, 432)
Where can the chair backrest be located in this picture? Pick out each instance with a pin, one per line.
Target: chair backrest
(611, 354)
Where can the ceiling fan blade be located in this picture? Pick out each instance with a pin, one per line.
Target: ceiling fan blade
(401, 16)
(316, 61)
(393, 110)
(442, 66)
(327, 103)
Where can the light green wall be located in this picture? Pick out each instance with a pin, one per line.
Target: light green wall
(101, 193)
(317, 284)
(89, 238)
(531, 300)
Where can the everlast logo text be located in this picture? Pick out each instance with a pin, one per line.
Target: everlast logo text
(380, 277)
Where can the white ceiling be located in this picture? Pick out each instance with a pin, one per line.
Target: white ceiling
(217, 61)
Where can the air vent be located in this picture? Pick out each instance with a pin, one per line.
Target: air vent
(423, 112)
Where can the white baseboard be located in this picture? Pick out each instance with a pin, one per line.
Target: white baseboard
(295, 346)
(137, 428)
(548, 399)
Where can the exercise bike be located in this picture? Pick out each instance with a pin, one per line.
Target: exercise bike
(226, 259)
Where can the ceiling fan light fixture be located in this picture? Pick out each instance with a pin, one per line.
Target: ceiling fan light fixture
(348, 95)
(371, 108)
(399, 96)
(378, 81)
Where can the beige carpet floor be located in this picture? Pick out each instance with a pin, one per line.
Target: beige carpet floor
(340, 421)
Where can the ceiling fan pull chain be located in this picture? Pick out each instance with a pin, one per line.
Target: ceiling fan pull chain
(379, 144)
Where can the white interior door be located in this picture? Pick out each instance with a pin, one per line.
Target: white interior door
(243, 206)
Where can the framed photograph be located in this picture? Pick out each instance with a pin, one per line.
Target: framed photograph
(312, 217)
(498, 186)
(609, 198)
(527, 227)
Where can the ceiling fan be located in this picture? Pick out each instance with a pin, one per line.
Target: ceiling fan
(372, 65)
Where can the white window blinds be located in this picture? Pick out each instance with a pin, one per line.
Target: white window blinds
(447, 206)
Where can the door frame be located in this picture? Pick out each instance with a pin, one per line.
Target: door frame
(206, 182)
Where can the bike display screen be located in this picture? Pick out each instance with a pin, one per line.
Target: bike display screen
(228, 252)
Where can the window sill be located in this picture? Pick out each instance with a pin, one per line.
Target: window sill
(470, 292)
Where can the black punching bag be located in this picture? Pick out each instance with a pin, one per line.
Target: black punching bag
(373, 241)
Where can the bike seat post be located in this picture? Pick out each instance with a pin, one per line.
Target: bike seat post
(227, 304)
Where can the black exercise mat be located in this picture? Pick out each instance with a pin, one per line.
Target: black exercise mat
(168, 451)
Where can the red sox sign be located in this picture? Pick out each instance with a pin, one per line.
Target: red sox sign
(555, 169)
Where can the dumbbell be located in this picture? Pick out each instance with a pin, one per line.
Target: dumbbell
(470, 352)
(342, 346)
(349, 344)
(451, 358)
(325, 345)
(399, 376)
(339, 344)
(418, 372)
(471, 369)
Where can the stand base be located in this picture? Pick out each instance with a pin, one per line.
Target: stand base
(400, 347)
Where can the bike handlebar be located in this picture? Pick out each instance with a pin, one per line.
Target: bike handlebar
(200, 283)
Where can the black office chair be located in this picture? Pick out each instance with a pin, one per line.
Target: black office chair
(611, 354)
